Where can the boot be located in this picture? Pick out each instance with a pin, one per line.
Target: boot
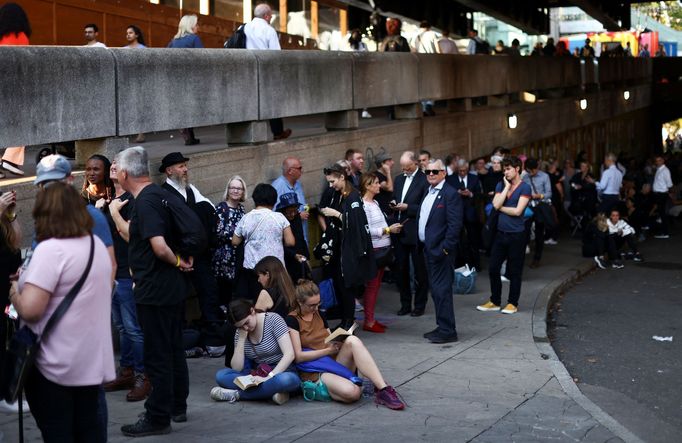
(141, 389)
(124, 380)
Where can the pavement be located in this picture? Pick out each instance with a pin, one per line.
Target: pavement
(500, 382)
(603, 331)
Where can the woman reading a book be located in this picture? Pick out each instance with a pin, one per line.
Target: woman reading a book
(308, 331)
(262, 358)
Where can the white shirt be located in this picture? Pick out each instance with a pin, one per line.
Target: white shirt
(425, 210)
(447, 46)
(408, 181)
(425, 42)
(197, 195)
(260, 35)
(662, 180)
(96, 45)
(464, 179)
(621, 228)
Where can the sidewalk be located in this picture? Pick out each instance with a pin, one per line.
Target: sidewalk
(493, 385)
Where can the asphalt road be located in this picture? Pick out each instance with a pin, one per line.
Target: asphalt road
(603, 329)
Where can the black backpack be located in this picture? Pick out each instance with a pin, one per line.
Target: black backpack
(482, 47)
(237, 40)
(188, 236)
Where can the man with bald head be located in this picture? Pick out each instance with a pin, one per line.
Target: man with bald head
(260, 35)
(439, 225)
(409, 189)
(288, 182)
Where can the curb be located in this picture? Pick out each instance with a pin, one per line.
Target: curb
(543, 303)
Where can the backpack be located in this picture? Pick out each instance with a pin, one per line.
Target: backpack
(188, 236)
(482, 47)
(237, 40)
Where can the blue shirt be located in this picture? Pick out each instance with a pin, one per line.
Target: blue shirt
(540, 184)
(425, 209)
(508, 223)
(610, 182)
(282, 186)
(188, 41)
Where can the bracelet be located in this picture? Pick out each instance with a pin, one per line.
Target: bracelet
(271, 374)
(387, 230)
(177, 264)
(11, 216)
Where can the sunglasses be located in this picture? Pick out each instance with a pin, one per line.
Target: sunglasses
(432, 171)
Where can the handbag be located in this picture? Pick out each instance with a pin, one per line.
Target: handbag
(315, 391)
(326, 249)
(24, 345)
(543, 212)
(465, 280)
(383, 256)
(327, 294)
(490, 228)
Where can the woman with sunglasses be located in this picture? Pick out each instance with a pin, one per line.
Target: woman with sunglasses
(262, 343)
(308, 330)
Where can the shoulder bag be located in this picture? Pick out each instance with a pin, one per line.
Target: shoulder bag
(544, 213)
(24, 345)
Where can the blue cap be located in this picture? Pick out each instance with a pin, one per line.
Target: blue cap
(52, 168)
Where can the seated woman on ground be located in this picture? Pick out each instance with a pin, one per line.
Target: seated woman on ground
(278, 288)
(308, 329)
(261, 340)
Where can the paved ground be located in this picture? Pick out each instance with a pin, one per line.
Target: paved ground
(493, 385)
(603, 334)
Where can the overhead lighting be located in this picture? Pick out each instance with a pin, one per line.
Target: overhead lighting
(512, 121)
(626, 95)
(583, 103)
(528, 97)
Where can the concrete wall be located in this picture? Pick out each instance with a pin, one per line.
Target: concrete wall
(60, 94)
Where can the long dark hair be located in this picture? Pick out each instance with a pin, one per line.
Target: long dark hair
(13, 20)
(279, 279)
(138, 32)
(238, 310)
(110, 190)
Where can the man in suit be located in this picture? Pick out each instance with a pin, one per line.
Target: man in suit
(469, 188)
(439, 225)
(409, 189)
(174, 165)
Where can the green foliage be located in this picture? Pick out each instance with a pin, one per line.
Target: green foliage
(668, 13)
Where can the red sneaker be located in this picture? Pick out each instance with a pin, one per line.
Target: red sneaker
(389, 398)
(376, 327)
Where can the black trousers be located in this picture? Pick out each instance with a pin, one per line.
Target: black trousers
(510, 246)
(661, 199)
(64, 413)
(164, 361)
(207, 291)
(539, 237)
(405, 253)
(472, 244)
(615, 242)
(277, 126)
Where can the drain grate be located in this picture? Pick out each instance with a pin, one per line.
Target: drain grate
(660, 265)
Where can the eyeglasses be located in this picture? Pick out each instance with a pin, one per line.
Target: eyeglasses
(312, 307)
(235, 189)
(432, 171)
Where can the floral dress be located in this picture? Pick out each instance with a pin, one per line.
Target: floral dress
(224, 261)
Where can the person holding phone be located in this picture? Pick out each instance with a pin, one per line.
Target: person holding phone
(511, 198)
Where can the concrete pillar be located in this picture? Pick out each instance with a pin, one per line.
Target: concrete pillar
(459, 105)
(248, 132)
(410, 111)
(342, 120)
(107, 147)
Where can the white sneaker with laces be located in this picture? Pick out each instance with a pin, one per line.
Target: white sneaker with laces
(222, 394)
(13, 408)
(366, 114)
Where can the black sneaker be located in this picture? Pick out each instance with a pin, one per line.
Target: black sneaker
(600, 262)
(638, 257)
(617, 265)
(144, 427)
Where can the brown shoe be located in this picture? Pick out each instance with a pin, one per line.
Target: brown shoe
(124, 380)
(141, 389)
(282, 135)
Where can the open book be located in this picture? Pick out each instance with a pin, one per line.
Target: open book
(340, 334)
(246, 381)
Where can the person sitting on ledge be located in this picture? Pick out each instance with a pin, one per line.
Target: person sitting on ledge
(308, 330)
(261, 339)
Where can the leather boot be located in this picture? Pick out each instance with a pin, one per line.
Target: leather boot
(141, 389)
(124, 380)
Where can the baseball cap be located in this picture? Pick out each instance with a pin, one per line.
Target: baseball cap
(51, 168)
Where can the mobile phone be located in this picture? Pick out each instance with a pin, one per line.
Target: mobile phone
(404, 221)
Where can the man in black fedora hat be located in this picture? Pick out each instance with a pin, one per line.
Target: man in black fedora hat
(174, 165)
(294, 256)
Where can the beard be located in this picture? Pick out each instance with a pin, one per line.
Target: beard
(182, 180)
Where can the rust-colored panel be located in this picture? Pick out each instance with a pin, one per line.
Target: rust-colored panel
(71, 21)
(161, 35)
(41, 18)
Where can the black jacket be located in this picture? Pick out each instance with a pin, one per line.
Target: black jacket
(357, 258)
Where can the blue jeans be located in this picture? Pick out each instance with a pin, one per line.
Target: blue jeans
(287, 381)
(124, 316)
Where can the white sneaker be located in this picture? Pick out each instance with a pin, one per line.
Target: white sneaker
(504, 279)
(215, 351)
(600, 262)
(551, 241)
(662, 236)
(359, 306)
(222, 394)
(366, 114)
(13, 408)
(11, 168)
(527, 249)
(280, 398)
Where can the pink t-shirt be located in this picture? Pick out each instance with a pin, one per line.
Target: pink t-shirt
(79, 350)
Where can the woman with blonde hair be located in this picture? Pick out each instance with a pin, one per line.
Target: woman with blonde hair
(187, 38)
(229, 212)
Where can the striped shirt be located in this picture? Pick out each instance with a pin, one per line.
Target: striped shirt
(377, 223)
(268, 350)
